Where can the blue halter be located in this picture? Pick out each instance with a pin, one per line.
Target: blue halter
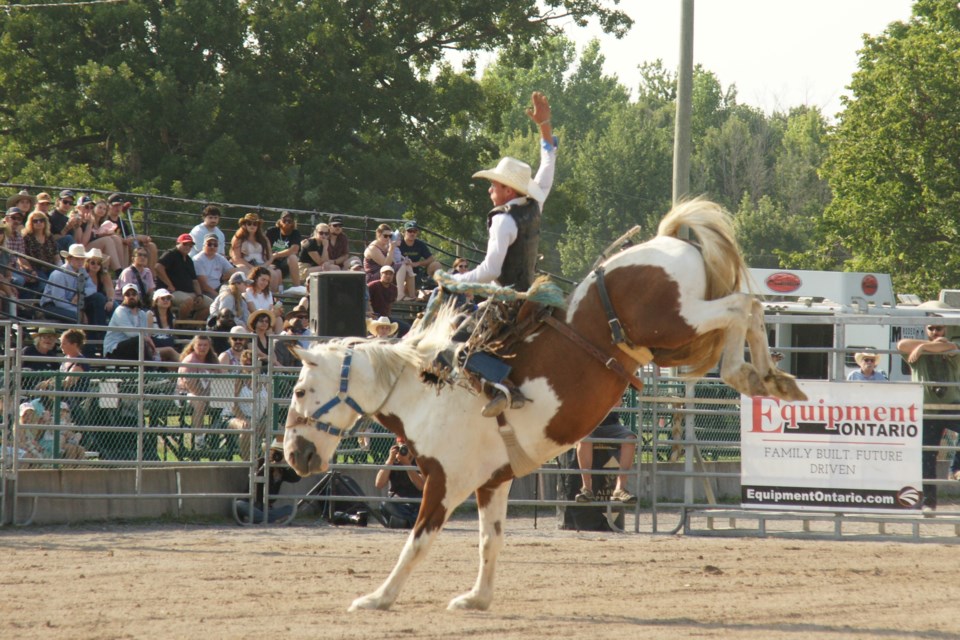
(337, 399)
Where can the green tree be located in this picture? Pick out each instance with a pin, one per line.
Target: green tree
(894, 163)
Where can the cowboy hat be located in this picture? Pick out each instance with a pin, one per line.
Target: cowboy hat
(858, 357)
(251, 217)
(516, 175)
(256, 315)
(44, 331)
(17, 197)
(382, 321)
(75, 251)
(277, 444)
(95, 254)
(296, 311)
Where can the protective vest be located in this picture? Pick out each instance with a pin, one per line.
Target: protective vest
(519, 267)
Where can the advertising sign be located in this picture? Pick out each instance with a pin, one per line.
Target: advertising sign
(851, 447)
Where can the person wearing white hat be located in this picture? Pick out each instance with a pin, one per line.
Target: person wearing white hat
(62, 294)
(868, 372)
(513, 244)
(125, 345)
(514, 222)
(381, 327)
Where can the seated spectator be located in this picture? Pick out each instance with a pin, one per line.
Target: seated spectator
(464, 300)
(35, 442)
(241, 415)
(211, 267)
(285, 242)
(131, 240)
(176, 271)
(315, 253)
(279, 473)
(39, 244)
(139, 274)
(421, 258)
(162, 316)
(125, 345)
(250, 249)
(209, 224)
(44, 346)
(610, 427)
(339, 243)
(868, 371)
(8, 288)
(239, 342)
(260, 298)
(86, 233)
(98, 291)
(72, 342)
(261, 326)
(223, 322)
(14, 242)
(232, 297)
(400, 484)
(62, 223)
(294, 324)
(61, 294)
(382, 252)
(381, 327)
(383, 292)
(197, 353)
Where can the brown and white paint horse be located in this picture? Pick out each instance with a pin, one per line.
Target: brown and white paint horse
(680, 301)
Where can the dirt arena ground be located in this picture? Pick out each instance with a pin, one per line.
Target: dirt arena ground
(224, 581)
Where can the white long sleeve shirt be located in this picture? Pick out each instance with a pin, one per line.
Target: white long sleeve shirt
(503, 229)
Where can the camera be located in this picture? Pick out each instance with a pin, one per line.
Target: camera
(403, 450)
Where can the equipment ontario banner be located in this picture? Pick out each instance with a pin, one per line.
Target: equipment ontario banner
(851, 447)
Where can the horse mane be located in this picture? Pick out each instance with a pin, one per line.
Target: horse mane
(387, 358)
(429, 339)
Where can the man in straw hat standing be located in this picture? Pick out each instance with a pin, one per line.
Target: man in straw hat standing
(513, 243)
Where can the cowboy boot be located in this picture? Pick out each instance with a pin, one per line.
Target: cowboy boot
(503, 395)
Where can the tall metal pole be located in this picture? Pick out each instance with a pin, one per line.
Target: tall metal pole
(681, 138)
(681, 188)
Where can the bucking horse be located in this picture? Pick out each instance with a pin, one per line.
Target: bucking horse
(671, 301)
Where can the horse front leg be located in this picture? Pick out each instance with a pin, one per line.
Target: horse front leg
(492, 510)
(429, 522)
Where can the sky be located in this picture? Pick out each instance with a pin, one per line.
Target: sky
(779, 53)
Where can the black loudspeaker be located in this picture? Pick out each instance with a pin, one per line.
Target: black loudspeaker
(338, 303)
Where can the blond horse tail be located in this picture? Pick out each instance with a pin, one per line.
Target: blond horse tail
(712, 231)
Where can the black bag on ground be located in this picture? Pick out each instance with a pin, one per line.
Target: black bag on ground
(589, 517)
(342, 510)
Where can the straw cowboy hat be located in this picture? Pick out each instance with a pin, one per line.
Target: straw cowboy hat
(864, 354)
(382, 321)
(75, 251)
(44, 331)
(516, 175)
(17, 197)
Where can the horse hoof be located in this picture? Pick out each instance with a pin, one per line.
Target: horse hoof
(469, 601)
(784, 386)
(369, 602)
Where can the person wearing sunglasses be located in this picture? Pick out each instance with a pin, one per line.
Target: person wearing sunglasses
(421, 259)
(383, 251)
(934, 362)
(868, 371)
(285, 241)
(250, 248)
(315, 253)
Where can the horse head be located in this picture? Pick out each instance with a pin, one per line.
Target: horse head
(339, 383)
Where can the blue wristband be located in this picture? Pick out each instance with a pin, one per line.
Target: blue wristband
(550, 147)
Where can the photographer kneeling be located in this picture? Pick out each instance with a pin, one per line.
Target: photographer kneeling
(403, 484)
(279, 473)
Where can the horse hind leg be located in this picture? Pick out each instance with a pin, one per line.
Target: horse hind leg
(778, 383)
(492, 510)
(730, 314)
